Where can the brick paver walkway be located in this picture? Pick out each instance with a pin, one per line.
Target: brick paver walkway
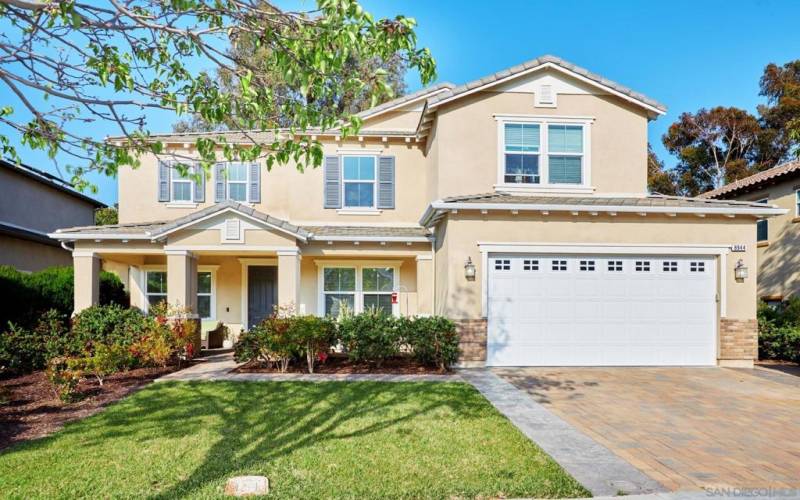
(687, 428)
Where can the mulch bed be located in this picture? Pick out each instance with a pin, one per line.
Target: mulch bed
(29, 407)
(341, 365)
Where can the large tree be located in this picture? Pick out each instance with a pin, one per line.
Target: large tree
(659, 179)
(72, 64)
(781, 86)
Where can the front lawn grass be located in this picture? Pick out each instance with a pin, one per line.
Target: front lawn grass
(312, 440)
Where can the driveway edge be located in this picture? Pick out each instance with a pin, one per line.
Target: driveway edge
(593, 465)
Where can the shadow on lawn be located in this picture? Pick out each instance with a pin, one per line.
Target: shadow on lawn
(254, 423)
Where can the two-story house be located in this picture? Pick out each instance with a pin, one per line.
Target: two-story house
(34, 203)
(778, 238)
(515, 205)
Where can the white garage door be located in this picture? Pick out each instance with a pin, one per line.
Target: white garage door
(604, 310)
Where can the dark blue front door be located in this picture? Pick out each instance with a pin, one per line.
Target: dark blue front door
(262, 293)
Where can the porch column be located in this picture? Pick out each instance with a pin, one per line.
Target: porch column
(182, 280)
(86, 266)
(289, 279)
(425, 284)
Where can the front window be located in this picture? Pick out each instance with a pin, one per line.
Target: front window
(181, 186)
(521, 153)
(237, 182)
(156, 287)
(378, 285)
(358, 180)
(762, 226)
(204, 295)
(339, 286)
(565, 154)
(358, 289)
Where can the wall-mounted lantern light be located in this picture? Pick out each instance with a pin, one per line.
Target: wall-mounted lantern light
(469, 270)
(740, 271)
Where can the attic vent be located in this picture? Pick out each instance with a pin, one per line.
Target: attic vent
(546, 94)
(232, 230)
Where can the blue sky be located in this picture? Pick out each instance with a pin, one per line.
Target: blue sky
(685, 54)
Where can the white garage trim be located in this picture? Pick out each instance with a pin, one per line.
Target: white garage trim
(602, 248)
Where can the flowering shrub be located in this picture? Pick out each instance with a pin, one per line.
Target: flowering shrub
(64, 373)
(269, 342)
(314, 335)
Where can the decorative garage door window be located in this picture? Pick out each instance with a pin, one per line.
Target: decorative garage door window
(615, 266)
(502, 265)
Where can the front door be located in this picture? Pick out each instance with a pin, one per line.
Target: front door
(262, 293)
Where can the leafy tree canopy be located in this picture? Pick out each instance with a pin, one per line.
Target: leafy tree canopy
(659, 179)
(72, 64)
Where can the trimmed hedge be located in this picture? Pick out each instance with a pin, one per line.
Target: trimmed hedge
(371, 337)
(26, 296)
(779, 331)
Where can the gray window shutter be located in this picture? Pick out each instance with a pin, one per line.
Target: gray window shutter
(200, 184)
(219, 182)
(386, 182)
(333, 182)
(163, 181)
(255, 183)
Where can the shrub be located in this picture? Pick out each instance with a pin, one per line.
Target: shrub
(65, 373)
(312, 335)
(24, 349)
(432, 340)
(269, 342)
(26, 296)
(111, 324)
(107, 360)
(779, 331)
(370, 337)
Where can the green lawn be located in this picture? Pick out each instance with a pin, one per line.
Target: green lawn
(312, 440)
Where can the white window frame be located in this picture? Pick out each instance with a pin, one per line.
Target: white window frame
(163, 269)
(765, 221)
(192, 188)
(544, 152)
(145, 294)
(359, 266)
(374, 182)
(246, 182)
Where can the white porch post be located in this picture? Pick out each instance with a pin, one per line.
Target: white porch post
(86, 266)
(182, 280)
(289, 278)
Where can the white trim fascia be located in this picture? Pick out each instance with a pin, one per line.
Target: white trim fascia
(522, 117)
(85, 253)
(355, 211)
(425, 96)
(223, 211)
(289, 252)
(440, 205)
(366, 239)
(350, 224)
(358, 262)
(424, 257)
(178, 251)
(706, 250)
(177, 204)
(229, 248)
(351, 151)
(99, 236)
(556, 67)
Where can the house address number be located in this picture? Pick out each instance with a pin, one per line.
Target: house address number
(738, 248)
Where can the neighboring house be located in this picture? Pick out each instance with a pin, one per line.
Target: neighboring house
(32, 204)
(515, 204)
(778, 238)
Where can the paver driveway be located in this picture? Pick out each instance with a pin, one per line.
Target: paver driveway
(687, 428)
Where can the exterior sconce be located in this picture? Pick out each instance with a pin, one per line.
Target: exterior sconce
(740, 271)
(469, 270)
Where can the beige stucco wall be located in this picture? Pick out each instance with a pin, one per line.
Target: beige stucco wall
(467, 133)
(30, 256)
(461, 299)
(287, 193)
(402, 119)
(779, 258)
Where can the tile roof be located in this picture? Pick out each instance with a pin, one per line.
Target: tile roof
(754, 180)
(136, 228)
(539, 61)
(599, 201)
(406, 98)
(325, 232)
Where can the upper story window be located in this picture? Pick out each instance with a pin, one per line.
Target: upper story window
(358, 181)
(522, 153)
(544, 153)
(762, 226)
(179, 185)
(237, 181)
